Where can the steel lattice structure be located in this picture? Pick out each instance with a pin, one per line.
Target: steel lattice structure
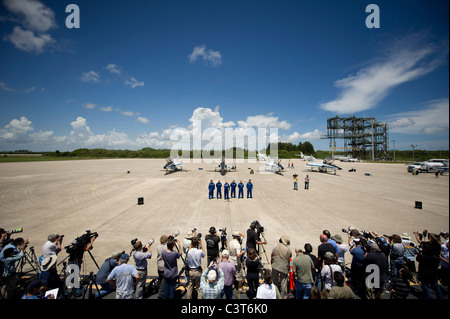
(363, 137)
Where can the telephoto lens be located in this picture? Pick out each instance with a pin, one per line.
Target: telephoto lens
(151, 241)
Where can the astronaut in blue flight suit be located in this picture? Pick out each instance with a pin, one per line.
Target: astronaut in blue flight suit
(249, 189)
(233, 189)
(211, 188)
(241, 190)
(226, 189)
(219, 189)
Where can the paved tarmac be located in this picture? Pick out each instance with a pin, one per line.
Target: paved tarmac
(70, 197)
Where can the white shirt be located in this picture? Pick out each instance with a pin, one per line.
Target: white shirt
(48, 249)
(266, 291)
(327, 274)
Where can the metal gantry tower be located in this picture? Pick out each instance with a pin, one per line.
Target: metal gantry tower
(363, 137)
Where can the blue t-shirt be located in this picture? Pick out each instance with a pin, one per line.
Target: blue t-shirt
(358, 255)
(124, 277)
(170, 263)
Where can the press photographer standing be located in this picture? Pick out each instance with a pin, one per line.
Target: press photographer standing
(52, 246)
(8, 280)
(140, 259)
(212, 245)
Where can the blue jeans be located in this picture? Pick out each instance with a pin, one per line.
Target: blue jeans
(228, 291)
(106, 289)
(169, 288)
(426, 286)
(302, 291)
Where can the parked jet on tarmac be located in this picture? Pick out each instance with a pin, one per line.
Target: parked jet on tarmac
(274, 165)
(223, 168)
(303, 157)
(323, 166)
(173, 165)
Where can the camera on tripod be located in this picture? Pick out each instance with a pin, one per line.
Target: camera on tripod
(81, 241)
(223, 238)
(259, 228)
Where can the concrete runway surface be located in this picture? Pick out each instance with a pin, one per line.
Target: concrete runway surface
(70, 197)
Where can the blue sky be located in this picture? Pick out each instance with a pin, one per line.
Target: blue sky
(137, 71)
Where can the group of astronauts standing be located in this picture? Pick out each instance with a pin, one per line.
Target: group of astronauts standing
(230, 188)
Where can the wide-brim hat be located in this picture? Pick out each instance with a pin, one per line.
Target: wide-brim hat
(236, 234)
(337, 238)
(48, 262)
(406, 236)
(285, 240)
(189, 235)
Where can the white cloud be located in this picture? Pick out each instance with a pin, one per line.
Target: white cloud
(89, 105)
(16, 131)
(267, 121)
(37, 19)
(209, 118)
(142, 120)
(312, 136)
(106, 108)
(90, 76)
(431, 119)
(133, 82)
(127, 113)
(27, 41)
(210, 57)
(5, 88)
(112, 68)
(409, 59)
(33, 14)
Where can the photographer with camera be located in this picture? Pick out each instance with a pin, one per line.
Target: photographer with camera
(212, 281)
(253, 238)
(194, 257)
(15, 244)
(170, 257)
(212, 245)
(140, 259)
(52, 246)
(8, 279)
(124, 277)
(280, 261)
(357, 269)
(427, 274)
(108, 265)
(237, 254)
(79, 246)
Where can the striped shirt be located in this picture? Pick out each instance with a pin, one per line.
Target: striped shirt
(212, 291)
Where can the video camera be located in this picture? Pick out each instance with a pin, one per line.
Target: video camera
(82, 241)
(259, 228)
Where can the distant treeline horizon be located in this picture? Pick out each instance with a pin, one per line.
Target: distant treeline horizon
(285, 151)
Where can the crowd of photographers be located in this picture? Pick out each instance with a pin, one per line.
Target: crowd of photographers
(381, 266)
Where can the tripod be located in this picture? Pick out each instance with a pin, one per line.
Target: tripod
(30, 258)
(89, 281)
(261, 246)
